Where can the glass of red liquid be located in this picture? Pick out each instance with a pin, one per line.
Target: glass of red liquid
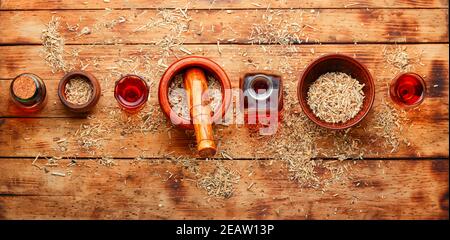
(131, 92)
(407, 89)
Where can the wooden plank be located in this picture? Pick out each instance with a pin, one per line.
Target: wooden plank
(434, 108)
(28, 137)
(326, 26)
(391, 189)
(411, 183)
(228, 4)
(235, 59)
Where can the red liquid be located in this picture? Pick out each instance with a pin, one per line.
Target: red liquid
(131, 92)
(260, 86)
(262, 101)
(408, 89)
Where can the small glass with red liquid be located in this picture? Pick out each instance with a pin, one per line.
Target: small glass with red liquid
(131, 92)
(407, 90)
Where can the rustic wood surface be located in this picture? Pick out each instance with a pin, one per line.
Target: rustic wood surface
(220, 4)
(332, 25)
(28, 138)
(388, 189)
(411, 183)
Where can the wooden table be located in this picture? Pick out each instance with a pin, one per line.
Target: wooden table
(411, 183)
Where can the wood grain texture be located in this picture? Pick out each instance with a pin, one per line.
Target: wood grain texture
(219, 4)
(411, 183)
(235, 59)
(327, 25)
(390, 189)
(28, 137)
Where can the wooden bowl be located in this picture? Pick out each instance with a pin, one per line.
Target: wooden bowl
(181, 65)
(79, 108)
(336, 63)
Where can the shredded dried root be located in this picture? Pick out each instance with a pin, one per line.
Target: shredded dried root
(389, 122)
(53, 46)
(79, 91)
(220, 183)
(335, 97)
(399, 59)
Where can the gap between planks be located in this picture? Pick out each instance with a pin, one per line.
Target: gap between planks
(412, 158)
(224, 8)
(235, 44)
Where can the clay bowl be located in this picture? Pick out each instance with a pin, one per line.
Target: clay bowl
(336, 63)
(181, 65)
(79, 108)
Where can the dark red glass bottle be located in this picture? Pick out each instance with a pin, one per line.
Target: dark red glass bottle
(131, 92)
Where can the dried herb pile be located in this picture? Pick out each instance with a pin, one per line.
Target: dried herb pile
(399, 60)
(53, 46)
(220, 183)
(335, 97)
(79, 91)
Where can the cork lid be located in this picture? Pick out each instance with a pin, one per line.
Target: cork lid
(24, 87)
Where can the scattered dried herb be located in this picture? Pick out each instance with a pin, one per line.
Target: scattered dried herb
(389, 121)
(296, 142)
(62, 144)
(399, 59)
(91, 136)
(53, 46)
(220, 182)
(107, 161)
(276, 29)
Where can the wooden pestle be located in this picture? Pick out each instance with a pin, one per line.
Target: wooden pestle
(195, 85)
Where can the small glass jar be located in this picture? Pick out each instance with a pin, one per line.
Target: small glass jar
(28, 92)
(262, 97)
(407, 90)
(131, 92)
